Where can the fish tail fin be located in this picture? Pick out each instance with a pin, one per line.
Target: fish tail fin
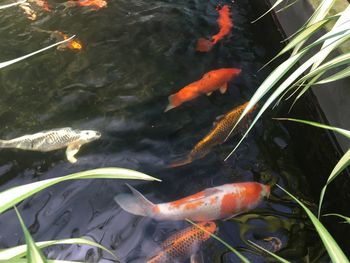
(204, 45)
(180, 162)
(135, 203)
(173, 102)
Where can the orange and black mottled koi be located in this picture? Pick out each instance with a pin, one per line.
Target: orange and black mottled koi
(183, 244)
(213, 80)
(214, 203)
(225, 24)
(216, 136)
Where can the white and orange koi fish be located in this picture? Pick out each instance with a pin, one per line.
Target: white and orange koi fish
(221, 202)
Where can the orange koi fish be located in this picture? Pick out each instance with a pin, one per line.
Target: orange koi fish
(94, 4)
(221, 202)
(184, 244)
(71, 44)
(216, 136)
(225, 25)
(211, 81)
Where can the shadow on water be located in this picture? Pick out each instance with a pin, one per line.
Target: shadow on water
(135, 54)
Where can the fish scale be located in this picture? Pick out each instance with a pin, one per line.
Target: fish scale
(183, 244)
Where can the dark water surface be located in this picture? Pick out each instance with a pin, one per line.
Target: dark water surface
(135, 54)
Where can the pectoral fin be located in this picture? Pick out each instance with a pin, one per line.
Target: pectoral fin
(72, 150)
(223, 88)
(197, 258)
(209, 93)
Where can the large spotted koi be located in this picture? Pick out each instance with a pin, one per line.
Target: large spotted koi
(221, 202)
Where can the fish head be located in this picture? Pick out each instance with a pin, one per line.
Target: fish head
(233, 72)
(209, 226)
(89, 135)
(266, 190)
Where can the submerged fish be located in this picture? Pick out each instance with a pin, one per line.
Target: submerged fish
(221, 202)
(94, 4)
(55, 139)
(225, 25)
(29, 11)
(216, 136)
(184, 244)
(211, 81)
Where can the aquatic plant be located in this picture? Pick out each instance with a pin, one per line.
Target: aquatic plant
(17, 194)
(330, 41)
(342, 163)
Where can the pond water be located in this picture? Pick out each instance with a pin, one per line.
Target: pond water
(135, 54)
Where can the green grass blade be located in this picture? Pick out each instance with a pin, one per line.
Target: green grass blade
(341, 131)
(10, 62)
(13, 4)
(337, 76)
(338, 168)
(333, 63)
(347, 219)
(278, 2)
(334, 251)
(34, 254)
(20, 251)
(343, 20)
(17, 194)
(239, 255)
(280, 259)
(319, 14)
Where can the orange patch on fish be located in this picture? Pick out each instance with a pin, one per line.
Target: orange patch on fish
(71, 44)
(156, 209)
(193, 205)
(225, 25)
(213, 200)
(228, 204)
(95, 4)
(185, 200)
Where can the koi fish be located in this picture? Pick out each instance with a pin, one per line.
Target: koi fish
(221, 202)
(225, 25)
(184, 244)
(211, 81)
(55, 139)
(28, 10)
(216, 136)
(94, 4)
(73, 44)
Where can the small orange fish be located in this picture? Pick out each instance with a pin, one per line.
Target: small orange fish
(184, 244)
(220, 202)
(71, 44)
(94, 4)
(225, 24)
(216, 136)
(43, 4)
(211, 81)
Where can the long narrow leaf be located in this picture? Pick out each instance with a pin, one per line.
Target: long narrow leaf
(337, 76)
(335, 62)
(277, 3)
(13, 4)
(10, 62)
(17, 194)
(341, 131)
(339, 167)
(20, 251)
(34, 254)
(347, 219)
(239, 255)
(280, 259)
(327, 46)
(334, 251)
(319, 14)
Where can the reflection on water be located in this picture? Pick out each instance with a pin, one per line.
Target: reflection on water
(135, 54)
